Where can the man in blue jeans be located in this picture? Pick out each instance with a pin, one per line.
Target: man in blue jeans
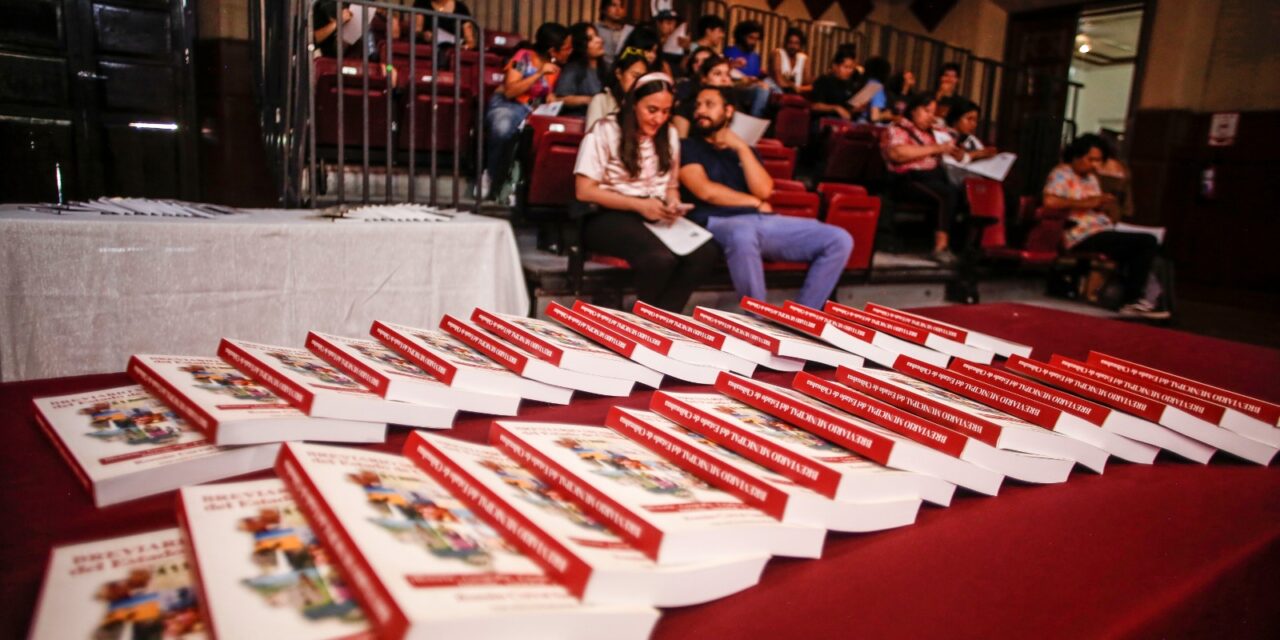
(729, 188)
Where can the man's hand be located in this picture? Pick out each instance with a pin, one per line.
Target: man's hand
(727, 139)
(843, 112)
(765, 207)
(347, 16)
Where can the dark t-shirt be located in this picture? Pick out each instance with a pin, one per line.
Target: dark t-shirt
(722, 166)
(446, 24)
(829, 89)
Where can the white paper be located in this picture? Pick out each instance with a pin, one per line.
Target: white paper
(863, 97)
(682, 237)
(548, 109)
(354, 28)
(1158, 232)
(749, 128)
(996, 167)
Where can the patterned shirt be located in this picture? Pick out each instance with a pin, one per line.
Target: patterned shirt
(523, 62)
(598, 159)
(1064, 182)
(906, 133)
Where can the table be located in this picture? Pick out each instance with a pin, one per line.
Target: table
(1174, 549)
(80, 294)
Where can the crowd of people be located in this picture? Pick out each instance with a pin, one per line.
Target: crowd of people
(657, 99)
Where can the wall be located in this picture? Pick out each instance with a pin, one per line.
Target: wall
(977, 25)
(1104, 101)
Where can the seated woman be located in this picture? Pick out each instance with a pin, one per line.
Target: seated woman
(913, 154)
(583, 75)
(1073, 185)
(647, 40)
(713, 72)
(901, 86)
(629, 67)
(876, 109)
(962, 120)
(789, 64)
(628, 165)
(449, 31)
(530, 77)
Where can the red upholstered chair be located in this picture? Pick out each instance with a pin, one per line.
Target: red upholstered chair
(788, 185)
(397, 51)
(778, 160)
(801, 204)
(353, 115)
(454, 115)
(502, 43)
(468, 68)
(829, 190)
(540, 125)
(791, 125)
(986, 201)
(853, 156)
(550, 178)
(1044, 240)
(856, 213)
(830, 126)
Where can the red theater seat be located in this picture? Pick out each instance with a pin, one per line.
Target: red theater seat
(788, 185)
(502, 43)
(454, 115)
(551, 179)
(791, 125)
(778, 160)
(856, 213)
(353, 100)
(800, 204)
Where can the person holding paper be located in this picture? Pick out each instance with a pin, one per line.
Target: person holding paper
(629, 67)
(962, 119)
(628, 166)
(833, 90)
(730, 189)
(582, 77)
(330, 29)
(913, 152)
(448, 31)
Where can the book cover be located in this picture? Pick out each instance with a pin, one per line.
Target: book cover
(458, 365)
(869, 342)
(136, 586)
(231, 409)
(713, 337)
(259, 568)
(123, 443)
(758, 485)
(635, 349)
(775, 340)
(577, 550)
(394, 377)
(819, 349)
(423, 565)
(551, 342)
(1000, 346)
(667, 513)
(922, 339)
(663, 339)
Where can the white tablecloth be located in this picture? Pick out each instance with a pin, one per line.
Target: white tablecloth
(81, 294)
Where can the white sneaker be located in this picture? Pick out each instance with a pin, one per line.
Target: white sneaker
(484, 186)
(1144, 309)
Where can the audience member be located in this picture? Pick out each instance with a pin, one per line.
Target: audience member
(730, 188)
(530, 80)
(673, 34)
(582, 77)
(328, 25)
(901, 86)
(833, 90)
(913, 154)
(877, 73)
(745, 65)
(1074, 186)
(962, 120)
(647, 40)
(789, 67)
(713, 72)
(447, 29)
(709, 34)
(946, 90)
(629, 67)
(613, 27)
(628, 166)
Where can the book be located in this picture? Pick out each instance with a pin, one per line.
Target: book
(232, 409)
(422, 565)
(854, 338)
(1131, 415)
(979, 421)
(458, 365)
(123, 443)
(887, 337)
(259, 569)
(996, 167)
(1001, 347)
(709, 336)
(1189, 416)
(749, 128)
(1046, 406)
(667, 513)
(664, 340)
(1020, 466)
(775, 340)
(1245, 415)
(818, 464)
(591, 561)
(563, 348)
(524, 363)
(1155, 232)
(872, 441)
(322, 391)
(135, 586)
(629, 347)
(919, 337)
(394, 377)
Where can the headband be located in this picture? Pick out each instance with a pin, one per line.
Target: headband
(656, 76)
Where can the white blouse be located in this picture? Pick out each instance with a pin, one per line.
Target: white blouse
(599, 159)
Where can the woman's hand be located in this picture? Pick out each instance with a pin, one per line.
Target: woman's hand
(652, 209)
(548, 68)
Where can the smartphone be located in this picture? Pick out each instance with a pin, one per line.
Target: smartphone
(684, 207)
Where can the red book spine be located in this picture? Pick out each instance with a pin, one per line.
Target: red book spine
(784, 317)
(633, 529)
(738, 330)
(640, 334)
(876, 322)
(557, 560)
(294, 393)
(856, 330)
(197, 581)
(980, 429)
(517, 335)
(1089, 411)
(1265, 411)
(1010, 402)
(913, 320)
(505, 356)
(331, 353)
(374, 597)
(436, 366)
(592, 330)
(926, 433)
(170, 395)
(1208, 412)
(854, 437)
(1101, 392)
(62, 449)
(679, 324)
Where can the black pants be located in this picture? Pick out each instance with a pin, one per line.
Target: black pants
(662, 278)
(931, 187)
(1133, 252)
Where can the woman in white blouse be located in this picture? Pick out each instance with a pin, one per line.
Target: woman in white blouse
(629, 166)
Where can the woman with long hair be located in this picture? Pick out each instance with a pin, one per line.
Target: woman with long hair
(582, 77)
(629, 67)
(628, 166)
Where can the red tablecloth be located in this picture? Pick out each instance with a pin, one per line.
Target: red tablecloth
(1171, 549)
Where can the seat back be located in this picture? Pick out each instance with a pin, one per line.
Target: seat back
(353, 95)
(551, 178)
(468, 68)
(778, 160)
(829, 190)
(858, 214)
(540, 125)
(454, 117)
(852, 157)
(788, 185)
(501, 43)
(1045, 236)
(791, 125)
(800, 204)
(986, 200)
